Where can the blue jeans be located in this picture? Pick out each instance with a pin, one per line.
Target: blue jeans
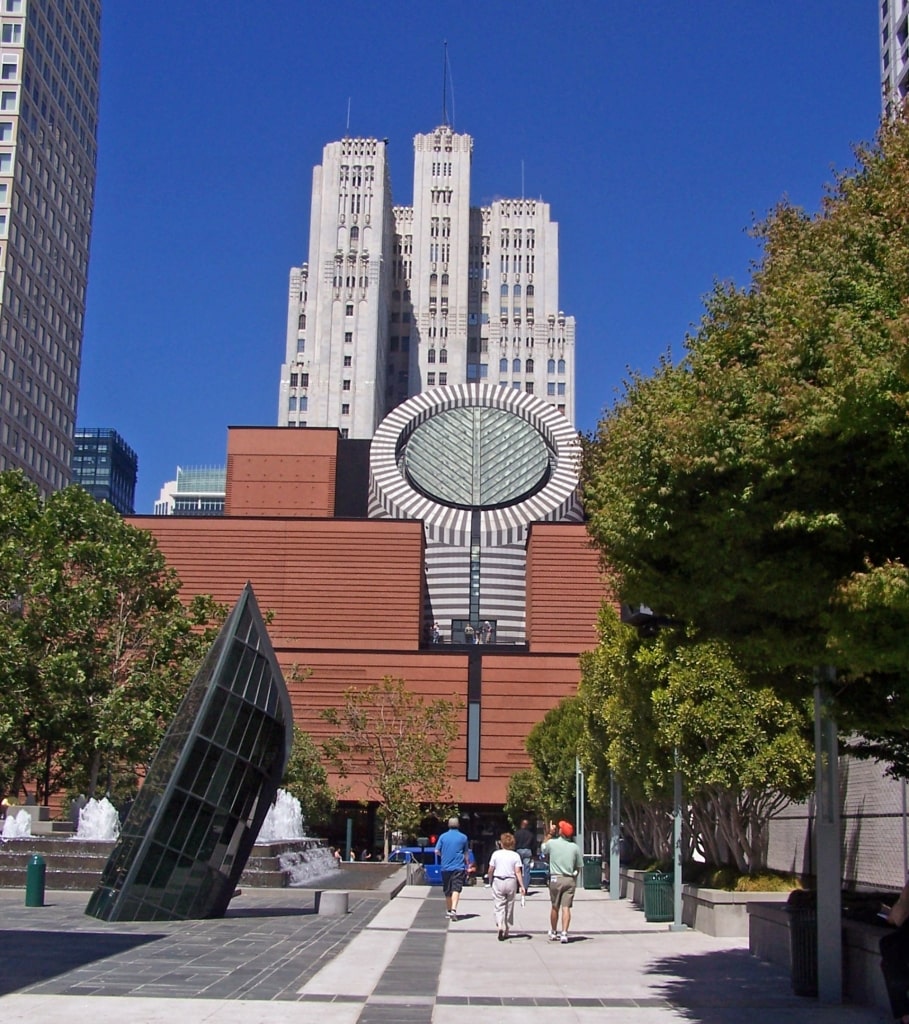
(526, 860)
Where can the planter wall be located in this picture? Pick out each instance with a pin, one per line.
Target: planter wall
(711, 911)
(863, 983)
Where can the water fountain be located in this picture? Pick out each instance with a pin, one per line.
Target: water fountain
(18, 825)
(304, 858)
(98, 820)
(283, 821)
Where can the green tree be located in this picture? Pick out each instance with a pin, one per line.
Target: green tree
(553, 745)
(675, 701)
(98, 650)
(306, 779)
(756, 490)
(524, 797)
(399, 745)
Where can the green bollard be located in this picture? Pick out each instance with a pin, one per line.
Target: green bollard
(34, 881)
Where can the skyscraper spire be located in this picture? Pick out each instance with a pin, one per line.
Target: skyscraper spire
(445, 83)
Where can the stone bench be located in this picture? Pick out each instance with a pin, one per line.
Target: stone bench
(332, 902)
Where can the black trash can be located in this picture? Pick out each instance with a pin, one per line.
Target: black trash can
(658, 896)
(802, 909)
(593, 871)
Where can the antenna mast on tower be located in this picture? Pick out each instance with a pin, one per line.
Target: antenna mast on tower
(445, 83)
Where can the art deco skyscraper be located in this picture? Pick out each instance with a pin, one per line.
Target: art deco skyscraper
(49, 65)
(894, 54)
(397, 300)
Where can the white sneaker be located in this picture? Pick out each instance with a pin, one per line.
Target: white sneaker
(553, 936)
(563, 937)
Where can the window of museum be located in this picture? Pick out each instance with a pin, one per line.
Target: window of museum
(443, 378)
(528, 387)
(528, 366)
(443, 355)
(550, 389)
(430, 379)
(431, 355)
(561, 388)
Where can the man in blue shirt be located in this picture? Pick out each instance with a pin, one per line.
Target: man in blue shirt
(452, 851)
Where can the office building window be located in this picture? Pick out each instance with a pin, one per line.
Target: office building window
(7, 100)
(345, 409)
(430, 379)
(345, 385)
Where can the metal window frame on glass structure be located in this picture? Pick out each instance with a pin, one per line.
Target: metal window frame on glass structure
(193, 824)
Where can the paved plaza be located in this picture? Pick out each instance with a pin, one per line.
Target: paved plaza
(273, 959)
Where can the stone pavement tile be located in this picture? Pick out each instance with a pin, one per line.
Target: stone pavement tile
(62, 1010)
(358, 967)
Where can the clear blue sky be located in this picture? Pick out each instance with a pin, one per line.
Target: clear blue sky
(657, 131)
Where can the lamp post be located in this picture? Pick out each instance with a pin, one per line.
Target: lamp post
(648, 623)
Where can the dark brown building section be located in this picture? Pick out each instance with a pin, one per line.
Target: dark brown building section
(564, 588)
(281, 472)
(346, 596)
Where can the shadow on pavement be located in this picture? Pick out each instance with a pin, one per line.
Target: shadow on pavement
(705, 987)
(29, 957)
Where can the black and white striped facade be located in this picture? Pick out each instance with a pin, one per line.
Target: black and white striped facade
(498, 534)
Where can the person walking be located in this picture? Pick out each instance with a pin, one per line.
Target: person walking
(565, 864)
(452, 850)
(505, 874)
(525, 841)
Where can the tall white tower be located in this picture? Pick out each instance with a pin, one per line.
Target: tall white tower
(463, 294)
(337, 316)
(49, 68)
(894, 54)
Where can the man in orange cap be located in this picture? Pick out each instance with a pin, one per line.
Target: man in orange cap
(565, 864)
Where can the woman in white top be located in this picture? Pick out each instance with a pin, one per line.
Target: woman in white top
(506, 877)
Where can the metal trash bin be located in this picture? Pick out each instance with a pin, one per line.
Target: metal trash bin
(658, 896)
(802, 910)
(593, 871)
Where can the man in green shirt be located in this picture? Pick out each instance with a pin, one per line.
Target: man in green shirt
(565, 864)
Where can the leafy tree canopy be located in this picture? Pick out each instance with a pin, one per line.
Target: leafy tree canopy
(757, 489)
(306, 779)
(399, 744)
(553, 745)
(97, 648)
(676, 701)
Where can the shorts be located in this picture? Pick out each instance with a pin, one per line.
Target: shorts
(561, 890)
(453, 881)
